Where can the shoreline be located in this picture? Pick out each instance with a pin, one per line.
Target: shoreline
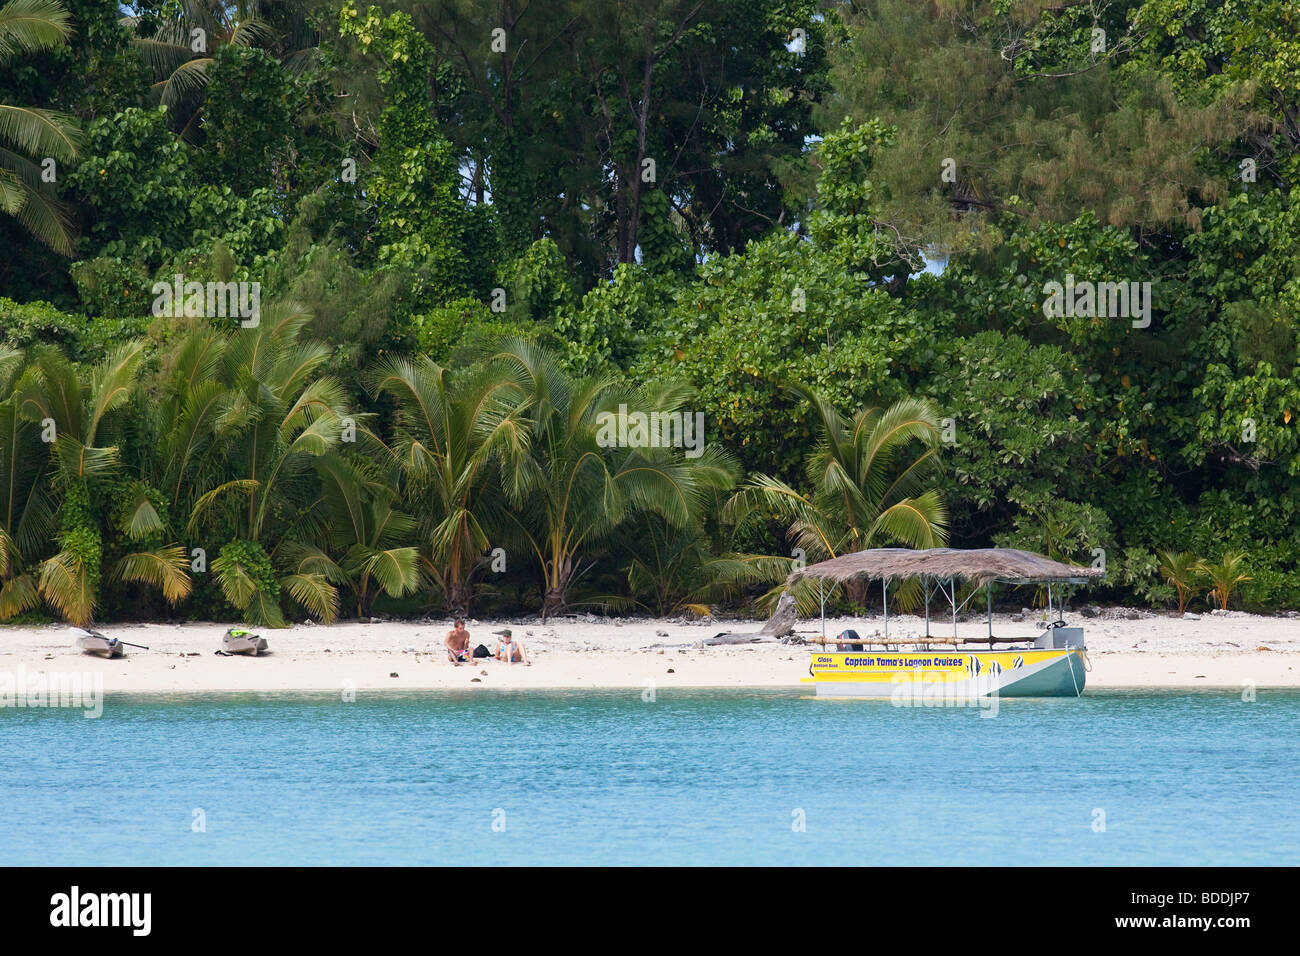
(1147, 651)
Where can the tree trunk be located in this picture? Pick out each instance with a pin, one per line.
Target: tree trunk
(856, 591)
(555, 598)
(553, 602)
(633, 225)
(457, 598)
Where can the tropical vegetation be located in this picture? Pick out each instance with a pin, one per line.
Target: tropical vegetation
(329, 310)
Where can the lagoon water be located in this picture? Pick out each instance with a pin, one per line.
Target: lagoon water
(693, 777)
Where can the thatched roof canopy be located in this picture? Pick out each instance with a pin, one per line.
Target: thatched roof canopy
(978, 566)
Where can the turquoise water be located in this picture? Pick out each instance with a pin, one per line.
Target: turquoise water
(699, 777)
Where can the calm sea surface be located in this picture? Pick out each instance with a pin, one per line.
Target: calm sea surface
(694, 777)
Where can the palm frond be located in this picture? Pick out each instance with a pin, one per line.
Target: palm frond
(17, 595)
(184, 83)
(8, 552)
(143, 519)
(396, 569)
(208, 499)
(163, 568)
(78, 462)
(916, 522)
(33, 203)
(111, 383)
(65, 583)
(163, 56)
(263, 610)
(314, 593)
(27, 26)
(40, 132)
(12, 193)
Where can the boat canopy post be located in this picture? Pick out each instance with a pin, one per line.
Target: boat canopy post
(952, 599)
(989, 588)
(925, 584)
(939, 569)
(821, 589)
(884, 596)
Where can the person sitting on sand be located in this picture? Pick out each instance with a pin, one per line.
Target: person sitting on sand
(509, 649)
(457, 642)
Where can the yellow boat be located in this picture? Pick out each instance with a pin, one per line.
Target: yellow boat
(933, 668)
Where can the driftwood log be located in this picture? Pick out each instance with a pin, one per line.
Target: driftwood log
(731, 637)
(778, 626)
(781, 623)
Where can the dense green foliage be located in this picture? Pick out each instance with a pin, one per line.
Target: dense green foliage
(479, 231)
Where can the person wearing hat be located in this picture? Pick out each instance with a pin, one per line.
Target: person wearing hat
(509, 649)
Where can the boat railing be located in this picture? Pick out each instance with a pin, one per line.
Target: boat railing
(919, 641)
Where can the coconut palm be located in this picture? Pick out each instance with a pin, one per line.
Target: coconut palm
(446, 439)
(73, 407)
(196, 416)
(1180, 569)
(868, 477)
(27, 520)
(249, 416)
(567, 490)
(673, 570)
(182, 48)
(1224, 576)
(365, 528)
(28, 136)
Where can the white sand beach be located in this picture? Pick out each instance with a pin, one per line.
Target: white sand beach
(1143, 649)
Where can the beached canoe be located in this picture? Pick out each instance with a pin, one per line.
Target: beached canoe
(92, 642)
(238, 641)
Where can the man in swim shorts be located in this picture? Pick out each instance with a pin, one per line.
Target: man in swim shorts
(457, 642)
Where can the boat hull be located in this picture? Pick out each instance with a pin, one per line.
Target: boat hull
(92, 642)
(100, 647)
(251, 646)
(931, 674)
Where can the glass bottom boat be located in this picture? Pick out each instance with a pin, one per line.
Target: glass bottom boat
(931, 668)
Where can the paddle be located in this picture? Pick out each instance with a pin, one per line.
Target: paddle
(129, 644)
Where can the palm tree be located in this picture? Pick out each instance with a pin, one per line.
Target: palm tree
(366, 528)
(252, 403)
(566, 489)
(1224, 576)
(73, 407)
(27, 520)
(28, 26)
(183, 46)
(1180, 569)
(196, 416)
(868, 478)
(446, 439)
(671, 570)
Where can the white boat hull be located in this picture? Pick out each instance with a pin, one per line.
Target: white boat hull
(92, 642)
